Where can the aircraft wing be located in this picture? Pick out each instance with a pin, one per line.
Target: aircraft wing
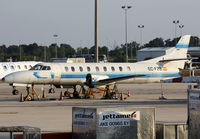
(106, 80)
(110, 80)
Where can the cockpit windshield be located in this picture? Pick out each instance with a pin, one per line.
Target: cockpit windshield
(40, 67)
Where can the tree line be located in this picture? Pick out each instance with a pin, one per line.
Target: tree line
(35, 52)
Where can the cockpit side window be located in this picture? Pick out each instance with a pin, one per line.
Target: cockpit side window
(48, 68)
(40, 67)
(37, 67)
(44, 68)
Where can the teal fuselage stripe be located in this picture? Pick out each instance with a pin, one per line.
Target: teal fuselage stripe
(147, 75)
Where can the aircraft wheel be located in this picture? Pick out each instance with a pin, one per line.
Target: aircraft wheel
(15, 92)
(51, 91)
(29, 98)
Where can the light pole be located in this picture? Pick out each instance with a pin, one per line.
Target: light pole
(175, 23)
(55, 36)
(126, 35)
(140, 27)
(96, 31)
(45, 54)
(181, 27)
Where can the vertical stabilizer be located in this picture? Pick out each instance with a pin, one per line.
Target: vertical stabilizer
(177, 58)
(183, 42)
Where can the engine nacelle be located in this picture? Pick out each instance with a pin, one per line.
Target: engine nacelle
(92, 79)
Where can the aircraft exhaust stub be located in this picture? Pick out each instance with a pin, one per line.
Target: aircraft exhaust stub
(113, 122)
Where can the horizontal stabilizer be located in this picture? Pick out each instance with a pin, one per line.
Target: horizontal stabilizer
(169, 60)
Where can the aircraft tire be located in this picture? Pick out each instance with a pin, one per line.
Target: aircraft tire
(15, 92)
(51, 91)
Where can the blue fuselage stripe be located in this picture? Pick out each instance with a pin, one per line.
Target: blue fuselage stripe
(182, 46)
(113, 75)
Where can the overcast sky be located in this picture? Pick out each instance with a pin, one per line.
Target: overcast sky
(28, 21)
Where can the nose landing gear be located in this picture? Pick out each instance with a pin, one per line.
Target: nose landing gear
(15, 91)
(31, 93)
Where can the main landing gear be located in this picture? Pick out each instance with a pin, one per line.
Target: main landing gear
(51, 90)
(75, 93)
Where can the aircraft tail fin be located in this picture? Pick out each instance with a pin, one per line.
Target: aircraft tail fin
(183, 42)
(177, 58)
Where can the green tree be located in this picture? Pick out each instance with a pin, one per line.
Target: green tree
(67, 49)
(157, 42)
(2, 52)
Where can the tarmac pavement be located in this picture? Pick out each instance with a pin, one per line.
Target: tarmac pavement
(56, 116)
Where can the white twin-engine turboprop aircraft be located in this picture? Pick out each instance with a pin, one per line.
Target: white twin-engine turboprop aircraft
(69, 75)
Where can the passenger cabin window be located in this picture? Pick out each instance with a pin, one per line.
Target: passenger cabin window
(113, 68)
(18, 66)
(30, 66)
(81, 69)
(5, 67)
(120, 69)
(12, 67)
(25, 66)
(128, 68)
(88, 68)
(73, 69)
(97, 69)
(66, 69)
(105, 69)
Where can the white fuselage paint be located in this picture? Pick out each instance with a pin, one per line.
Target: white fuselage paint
(69, 74)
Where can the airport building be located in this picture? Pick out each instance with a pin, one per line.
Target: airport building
(152, 52)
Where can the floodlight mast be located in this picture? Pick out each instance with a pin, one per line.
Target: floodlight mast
(126, 7)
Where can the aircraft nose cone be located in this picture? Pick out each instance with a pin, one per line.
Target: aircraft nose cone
(8, 79)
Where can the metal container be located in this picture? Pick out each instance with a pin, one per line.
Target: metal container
(193, 112)
(113, 123)
(171, 131)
